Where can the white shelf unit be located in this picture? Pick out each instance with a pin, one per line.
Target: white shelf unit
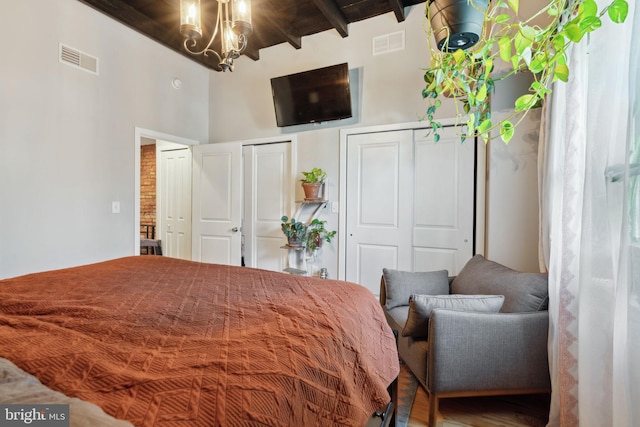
(297, 259)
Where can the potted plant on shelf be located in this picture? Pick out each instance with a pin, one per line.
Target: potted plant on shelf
(294, 230)
(317, 233)
(312, 184)
(506, 45)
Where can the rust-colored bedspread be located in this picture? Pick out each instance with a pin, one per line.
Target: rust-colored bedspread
(160, 341)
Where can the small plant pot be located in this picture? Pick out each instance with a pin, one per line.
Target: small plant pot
(457, 24)
(294, 241)
(314, 242)
(312, 190)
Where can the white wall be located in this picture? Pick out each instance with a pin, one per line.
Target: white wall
(512, 184)
(67, 141)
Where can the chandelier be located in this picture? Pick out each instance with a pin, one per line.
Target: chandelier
(233, 32)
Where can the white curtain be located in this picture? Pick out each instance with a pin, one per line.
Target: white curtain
(590, 231)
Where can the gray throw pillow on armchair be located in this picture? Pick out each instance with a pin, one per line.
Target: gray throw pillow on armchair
(522, 291)
(421, 306)
(400, 285)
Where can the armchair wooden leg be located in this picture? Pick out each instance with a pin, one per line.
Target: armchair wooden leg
(433, 410)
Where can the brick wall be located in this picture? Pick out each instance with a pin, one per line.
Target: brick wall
(147, 185)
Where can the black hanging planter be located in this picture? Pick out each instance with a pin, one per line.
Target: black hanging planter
(457, 24)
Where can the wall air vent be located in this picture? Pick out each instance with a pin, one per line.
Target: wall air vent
(81, 60)
(388, 43)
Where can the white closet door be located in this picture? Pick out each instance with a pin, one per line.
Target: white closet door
(444, 202)
(410, 204)
(267, 185)
(217, 203)
(379, 200)
(175, 196)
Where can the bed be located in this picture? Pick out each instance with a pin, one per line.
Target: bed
(157, 341)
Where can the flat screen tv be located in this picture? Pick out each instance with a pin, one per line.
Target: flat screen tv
(312, 96)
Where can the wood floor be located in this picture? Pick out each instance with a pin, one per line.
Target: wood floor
(507, 411)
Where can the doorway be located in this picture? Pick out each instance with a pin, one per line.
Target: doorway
(142, 137)
(226, 251)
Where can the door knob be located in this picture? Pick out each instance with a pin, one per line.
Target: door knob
(235, 229)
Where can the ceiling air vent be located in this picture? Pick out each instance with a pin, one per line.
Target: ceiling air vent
(388, 43)
(75, 58)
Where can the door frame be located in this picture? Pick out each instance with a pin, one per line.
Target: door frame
(151, 134)
(481, 170)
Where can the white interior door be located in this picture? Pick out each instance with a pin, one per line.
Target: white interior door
(217, 203)
(379, 199)
(444, 202)
(267, 185)
(175, 202)
(409, 204)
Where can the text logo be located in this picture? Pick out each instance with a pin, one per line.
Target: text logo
(34, 415)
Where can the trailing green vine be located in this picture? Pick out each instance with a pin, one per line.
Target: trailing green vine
(469, 77)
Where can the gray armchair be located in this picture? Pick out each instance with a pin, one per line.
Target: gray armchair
(483, 332)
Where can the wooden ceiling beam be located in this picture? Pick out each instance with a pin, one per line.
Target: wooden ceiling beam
(398, 9)
(331, 11)
(252, 52)
(292, 39)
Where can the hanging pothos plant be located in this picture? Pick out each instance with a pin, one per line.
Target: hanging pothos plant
(468, 75)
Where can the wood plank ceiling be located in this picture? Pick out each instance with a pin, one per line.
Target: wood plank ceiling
(274, 21)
